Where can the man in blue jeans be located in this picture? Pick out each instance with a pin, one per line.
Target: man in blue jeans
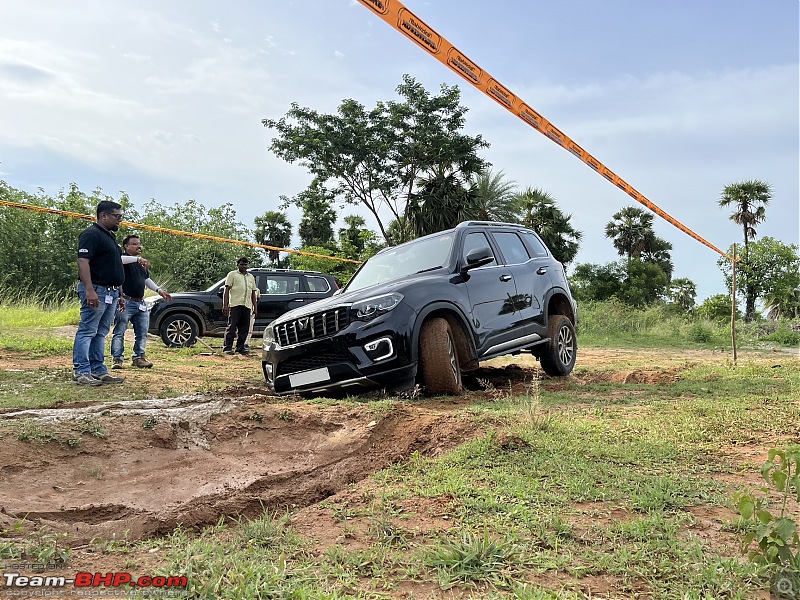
(101, 276)
(137, 277)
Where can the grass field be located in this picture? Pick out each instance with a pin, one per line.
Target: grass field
(622, 481)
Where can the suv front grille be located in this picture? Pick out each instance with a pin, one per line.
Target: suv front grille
(312, 327)
(306, 362)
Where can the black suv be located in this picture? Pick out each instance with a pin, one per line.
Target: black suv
(426, 311)
(191, 314)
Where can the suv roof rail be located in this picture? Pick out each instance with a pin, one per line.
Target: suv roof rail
(274, 270)
(491, 224)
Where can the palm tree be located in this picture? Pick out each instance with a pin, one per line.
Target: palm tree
(273, 229)
(537, 209)
(442, 200)
(316, 225)
(683, 292)
(749, 199)
(493, 197)
(631, 231)
(351, 235)
(782, 303)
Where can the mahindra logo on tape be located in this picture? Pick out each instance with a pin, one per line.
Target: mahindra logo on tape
(555, 135)
(379, 6)
(418, 31)
(530, 116)
(464, 66)
(501, 94)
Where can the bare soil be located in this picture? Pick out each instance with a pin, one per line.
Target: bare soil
(194, 459)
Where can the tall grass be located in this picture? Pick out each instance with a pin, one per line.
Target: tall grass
(23, 308)
(612, 322)
(603, 322)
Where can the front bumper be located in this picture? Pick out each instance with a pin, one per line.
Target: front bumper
(365, 355)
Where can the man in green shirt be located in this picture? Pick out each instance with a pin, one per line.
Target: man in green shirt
(238, 304)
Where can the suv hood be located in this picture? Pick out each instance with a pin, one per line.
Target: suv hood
(345, 299)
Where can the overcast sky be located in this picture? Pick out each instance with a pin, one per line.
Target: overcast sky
(165, 100)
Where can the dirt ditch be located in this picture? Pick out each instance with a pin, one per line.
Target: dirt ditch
(190, 460)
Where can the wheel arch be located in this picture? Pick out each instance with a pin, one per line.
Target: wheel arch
(189, 311)
(560, 304)
(465, 347)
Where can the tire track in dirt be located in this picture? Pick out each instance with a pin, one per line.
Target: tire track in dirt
(202, 458)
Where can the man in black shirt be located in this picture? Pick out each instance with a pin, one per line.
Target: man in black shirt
(136, 278)
(101, 275)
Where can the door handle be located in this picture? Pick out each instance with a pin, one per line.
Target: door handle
(505, 277)
(298, 300)
(541, 270)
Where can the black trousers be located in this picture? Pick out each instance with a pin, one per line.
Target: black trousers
(238, 327)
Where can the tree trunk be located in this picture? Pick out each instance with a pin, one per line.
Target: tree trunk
(750, 302)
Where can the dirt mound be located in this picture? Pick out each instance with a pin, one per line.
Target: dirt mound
(138, 469)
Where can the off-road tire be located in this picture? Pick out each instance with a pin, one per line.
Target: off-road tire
(178, 331)
(558, 357)
(438, 359)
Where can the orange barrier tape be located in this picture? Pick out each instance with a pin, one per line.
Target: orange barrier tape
(424, 36)
(200, 236)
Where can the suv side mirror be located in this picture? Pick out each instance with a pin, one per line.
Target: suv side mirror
(478, 258)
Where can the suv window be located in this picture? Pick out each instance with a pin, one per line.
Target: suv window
(279, 284)
(473, 241)
(512, 248)
(317, 284)
(535, 244)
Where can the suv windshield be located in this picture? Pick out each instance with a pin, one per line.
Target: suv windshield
(214, 286)
(399, 262)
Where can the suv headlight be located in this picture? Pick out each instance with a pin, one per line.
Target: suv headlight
(269, 335)
(368, 309)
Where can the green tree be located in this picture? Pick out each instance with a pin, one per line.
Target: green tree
(631, 231)
(38, 251)
(772, 274)
(749, 200)
(396, 231)
(683, 292)
(644, 283)
(273, 229)
(658, 253)
(716, 308)
(537, 209)
(376, 157)
(316, 225)
(185, 263)
(356, 241)
(442, 201)
(597, 282)
(21, 234)
(634, 282)
(342, 270)
(492, 197)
